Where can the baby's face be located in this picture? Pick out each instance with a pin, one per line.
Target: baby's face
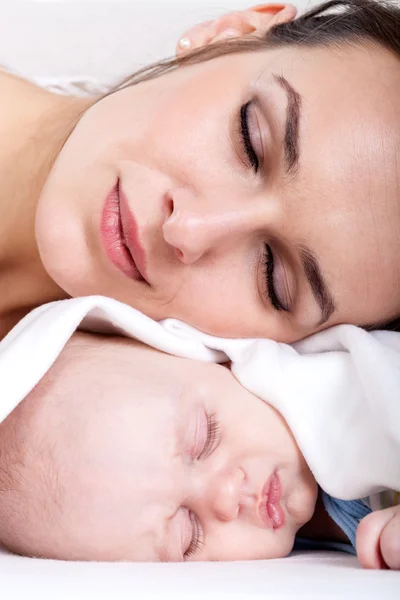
(165, 459)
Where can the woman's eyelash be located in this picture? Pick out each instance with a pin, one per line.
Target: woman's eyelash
(246, 138)
(212, 436)
(196, 543)
(268, 256)
(268, 268)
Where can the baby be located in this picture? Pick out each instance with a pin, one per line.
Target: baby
(124, 453)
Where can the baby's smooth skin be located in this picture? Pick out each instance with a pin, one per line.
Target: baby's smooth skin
(125, 453)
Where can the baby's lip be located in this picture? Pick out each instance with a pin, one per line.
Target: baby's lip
(269, 508)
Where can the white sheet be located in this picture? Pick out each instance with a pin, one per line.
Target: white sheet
(310, 576)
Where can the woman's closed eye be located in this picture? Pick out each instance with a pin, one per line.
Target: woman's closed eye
(277, 291)
(250, 137)
(253, 151)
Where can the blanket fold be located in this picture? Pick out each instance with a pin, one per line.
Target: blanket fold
(339, 390)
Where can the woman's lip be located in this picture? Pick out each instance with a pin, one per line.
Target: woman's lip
(269, 509)
(131, 233)
(113, 236)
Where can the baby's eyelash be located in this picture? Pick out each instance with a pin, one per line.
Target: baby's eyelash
(196, 543)
(213, 435)
(211, 443)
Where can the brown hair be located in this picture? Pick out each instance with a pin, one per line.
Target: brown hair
(334, 23)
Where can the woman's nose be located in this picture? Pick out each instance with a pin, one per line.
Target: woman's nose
(186, 233)
(194, 229)
(225, 493)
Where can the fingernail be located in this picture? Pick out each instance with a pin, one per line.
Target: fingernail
(185, 43)
(268, 7)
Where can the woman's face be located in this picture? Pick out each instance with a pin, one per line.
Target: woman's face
(293, 229)
(161, 458)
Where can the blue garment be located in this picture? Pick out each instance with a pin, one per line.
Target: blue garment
(345, 513)
(308, 544)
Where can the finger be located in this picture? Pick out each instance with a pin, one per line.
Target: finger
(235, 24)
(368, 538)
(196, 36)
(390, 543)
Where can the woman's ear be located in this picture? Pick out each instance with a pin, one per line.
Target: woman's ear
(236, 24)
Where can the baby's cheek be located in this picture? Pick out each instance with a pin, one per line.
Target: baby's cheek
(240, 540)
(301, 500)
(144, 535)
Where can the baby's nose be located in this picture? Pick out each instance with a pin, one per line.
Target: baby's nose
(224, 494)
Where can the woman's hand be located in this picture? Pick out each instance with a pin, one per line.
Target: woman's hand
(378, 539)
(236, 24)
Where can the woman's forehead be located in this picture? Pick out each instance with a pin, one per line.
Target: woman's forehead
(359, 58)
(352, 73)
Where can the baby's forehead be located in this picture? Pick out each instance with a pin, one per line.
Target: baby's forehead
(116, 364)
(110, 366)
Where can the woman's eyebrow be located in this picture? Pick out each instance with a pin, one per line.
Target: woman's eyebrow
(291, 144)
(291, 141)
(318, 285)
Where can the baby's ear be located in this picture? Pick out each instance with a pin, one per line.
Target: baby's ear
(236, 24)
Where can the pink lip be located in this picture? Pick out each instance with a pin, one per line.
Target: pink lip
(270, 510)
(119, 234)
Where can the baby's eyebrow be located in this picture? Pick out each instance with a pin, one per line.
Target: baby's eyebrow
(165, 550)
(182, 418)
(163, 554)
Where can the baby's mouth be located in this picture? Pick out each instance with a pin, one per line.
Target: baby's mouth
(270, 510)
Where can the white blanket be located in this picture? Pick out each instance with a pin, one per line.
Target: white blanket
(339, 390)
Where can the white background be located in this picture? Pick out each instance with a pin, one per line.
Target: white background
(99, 39)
